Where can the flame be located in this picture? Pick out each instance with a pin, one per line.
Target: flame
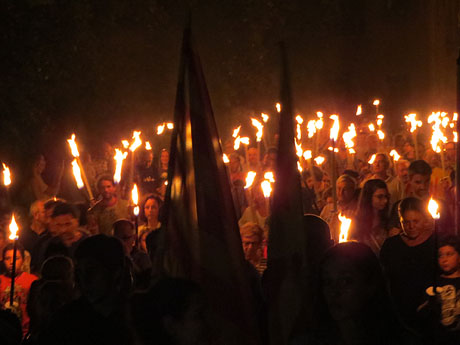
(380, 120)
(376, 102)
(455, 137)
(135, 195)
(225, 158)
(455, 117)
(266, 188)
(160, 129)
(250, 179)
(359, 110)
(433, 208)
(77, 174)
(298, 148)
(395, 155)
(236, 145)
(371, 161)
(170, 125)
(414, 123)
(307, 154)
(381, 134)
(299, 119)
(6, 175)
(269, 176)
(166, 183)
(265, 117)
(334, 133)
(319, 160)
(136, 210)
(13, 229)
(245, 140)
(137, 141)
(278, 107)
(319, 114)
(445, 121)
(73, 146)
(352, 151)
(260, 129)
(335, 149)
(236, 131)
(311, 128)
(125, 143)
(299, 167)
(438, 135)
(119, 157)
(371, 127)
(148, 147)
(452, 125)
(348, 136)
(345, 224)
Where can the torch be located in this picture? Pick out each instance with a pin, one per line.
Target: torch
(13, 237)
(376, 103)
(345, 224)
(334, 134)
(135, 200)
(7, 180)
(433, 209)
(414, 123)
(136, 143)
(77, 167)
(394, 154)
(119, 158)
(260, 132)
(267, 190)
(349, 144)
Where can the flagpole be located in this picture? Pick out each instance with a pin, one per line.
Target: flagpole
(457, 177)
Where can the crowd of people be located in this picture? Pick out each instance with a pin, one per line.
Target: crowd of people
(86, 274)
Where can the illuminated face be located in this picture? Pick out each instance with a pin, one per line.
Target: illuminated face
(310, 182)
(345, 192)
(252, 249)
(420, 185)
(151, 209)
(164, 157)
(380, 199)
(253, 155)
(345, 290)
(65, 225)
(414, 224)
(107, 189)
(380, 165)
(402, 170)
(449, 260)
(39, 214)
(8, 260)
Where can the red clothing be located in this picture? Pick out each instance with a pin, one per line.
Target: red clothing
(22, 285)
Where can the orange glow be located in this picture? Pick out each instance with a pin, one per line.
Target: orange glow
(348, 136)
(13, 227)
(376, 102)
(137, 141)
(269, 176)
(225, 158)
(148, 147)
(319, 160)
(311, 128)
(414, 123)
(334, 132)
(371, 161)
(160, 129)
(371, 127)
(236, 131)
(278, 107)
(266, 188)
(265, 117)
(433, 208)
(73, 146)
(359, 110)
(125, 143)
(260, 129)
(307, 154)
(170, 125)
(395, 155)
(119, 157)
(345, 224)
(77, 174)
(381, 134)
(250, 179)
(6, 176)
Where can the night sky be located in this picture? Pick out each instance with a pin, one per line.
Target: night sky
(103, 68)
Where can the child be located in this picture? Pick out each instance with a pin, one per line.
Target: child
(447, 301)
(22, 283)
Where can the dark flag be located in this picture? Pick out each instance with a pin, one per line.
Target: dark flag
(201, 230)
(286, 253)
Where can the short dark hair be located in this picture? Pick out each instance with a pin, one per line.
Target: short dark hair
(453, 241)
(10, 246)
(51, 203)
(419, 167)
(105, 178)
(412, 204)
(64, 208)
(120, 224)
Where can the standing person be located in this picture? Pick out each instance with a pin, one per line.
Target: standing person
(380, 168)
(147, 175)
(110, 208)
(409, 260)
(346, 204)
(163, 173)
(443, 305)
(398, 190)
(40, 190)
(253, 163)
(370, 224)
(252, 238)
(22, 283)
(150, 212)
(30, 235)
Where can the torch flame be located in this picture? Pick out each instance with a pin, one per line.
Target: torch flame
(371, 161)
(299, 167)
(6, 175)
(250, 179)
(298, 148)
(260, 129)
(148, 147)
(334, 133)
(455, 117)
(225, 159)
(125, 143)
(311, 127)
(371, 127)
(455, 137)
(266, 188)
(307, 154)
(13, 229)
(135, 195)
(414, 123)
(265, 117)
(359, 110)
(345, 224)
(381, 134)
(395, 155)
(376, 102)
(269, 176)
(73, 146)
(236, 131)
(170, 125)
(438, 135)
(433, 208)
(77, 174)
(319, 160)
(278, 107)
(137, 141)
(160, 129)
(299, 119)
(245, 140)
(348, 136)
(119, 157)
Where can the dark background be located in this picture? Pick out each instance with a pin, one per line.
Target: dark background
(103, 68)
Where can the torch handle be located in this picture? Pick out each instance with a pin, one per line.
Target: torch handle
(85, 179)
(13, 272)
